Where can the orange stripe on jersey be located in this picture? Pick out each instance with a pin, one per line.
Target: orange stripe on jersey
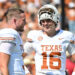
(7, 38)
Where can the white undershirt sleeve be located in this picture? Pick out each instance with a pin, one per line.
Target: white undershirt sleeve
(6, 47)
(73, 73)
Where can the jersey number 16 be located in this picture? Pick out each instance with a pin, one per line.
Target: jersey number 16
(51, 60)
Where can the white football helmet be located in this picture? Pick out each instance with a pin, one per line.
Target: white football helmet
(48, 11)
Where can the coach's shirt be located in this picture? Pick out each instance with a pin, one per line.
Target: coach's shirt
(50, 51)
(11, 44)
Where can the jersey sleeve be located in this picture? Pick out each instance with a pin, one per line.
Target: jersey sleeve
(71, 46)
(29, 45)
(7, 42)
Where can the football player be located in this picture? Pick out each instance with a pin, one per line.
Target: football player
(49, 45)
(11, 49)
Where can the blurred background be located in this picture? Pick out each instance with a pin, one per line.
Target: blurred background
(66, 10)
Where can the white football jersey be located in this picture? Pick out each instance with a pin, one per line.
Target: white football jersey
(50, 57)
(11, 43)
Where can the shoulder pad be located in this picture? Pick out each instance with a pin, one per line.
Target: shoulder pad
(33, 34)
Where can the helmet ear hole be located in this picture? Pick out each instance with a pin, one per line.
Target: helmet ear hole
(40, 23)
